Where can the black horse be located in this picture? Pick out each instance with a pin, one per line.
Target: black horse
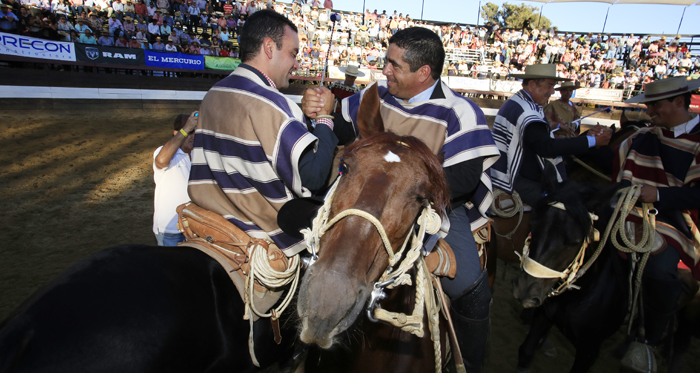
(587, 316)
(138, 309)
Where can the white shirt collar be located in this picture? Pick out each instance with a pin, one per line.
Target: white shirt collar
(686, 127)
(425, 95)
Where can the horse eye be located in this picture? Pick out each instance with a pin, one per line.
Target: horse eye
(343, 169)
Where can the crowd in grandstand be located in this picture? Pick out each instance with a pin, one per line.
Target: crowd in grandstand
(211, 28)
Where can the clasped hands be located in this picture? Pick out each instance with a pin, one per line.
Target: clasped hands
(317, 101)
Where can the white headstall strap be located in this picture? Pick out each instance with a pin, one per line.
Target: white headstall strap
(571, 273)
(429, 222)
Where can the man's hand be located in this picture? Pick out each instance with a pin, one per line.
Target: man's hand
(192, 122)
(317, 101)
(602, 135)
(648, 194)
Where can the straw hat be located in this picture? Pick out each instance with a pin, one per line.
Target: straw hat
(542, 71)
(352, 70)
(665, 88)
(565, 85)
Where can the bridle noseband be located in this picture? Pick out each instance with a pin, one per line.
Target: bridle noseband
(571, 273)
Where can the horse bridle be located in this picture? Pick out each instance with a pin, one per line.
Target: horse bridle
(571, 273)
(429, 222)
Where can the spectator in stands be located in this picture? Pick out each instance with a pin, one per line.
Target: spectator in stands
(171, 171)
(87, 38)
(134, 42)
(165, 29)
(105, 39)
(158, 46)
(121, 42)
(8, 20)
(170, 47)
(129, 28)
(115, 26)
(65, 28)
(347, 87)
(153, 30)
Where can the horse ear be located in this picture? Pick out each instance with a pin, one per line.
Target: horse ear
(369, 120)
(623, 118)
(550, 181)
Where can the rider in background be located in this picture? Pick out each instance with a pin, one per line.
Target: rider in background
(416, 102)
(665, 159)
(524, 138)
(562, 112)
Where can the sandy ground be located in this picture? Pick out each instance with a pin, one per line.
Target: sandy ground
(76, 182)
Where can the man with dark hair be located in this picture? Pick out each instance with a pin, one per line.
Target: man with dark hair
(524, 139)
(665, 159)
(416, 102)
(253, 152)
(171, 170)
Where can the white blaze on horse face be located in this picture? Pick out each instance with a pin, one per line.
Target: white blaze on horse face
(392, 158)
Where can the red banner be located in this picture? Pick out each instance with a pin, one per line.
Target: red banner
(695, 103)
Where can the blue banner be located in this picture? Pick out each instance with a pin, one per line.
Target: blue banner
(174, 60)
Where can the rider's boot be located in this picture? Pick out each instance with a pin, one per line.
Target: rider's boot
(470, 316)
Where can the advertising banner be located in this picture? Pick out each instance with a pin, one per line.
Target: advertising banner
(460, 82)
(111, 55)
(174, 60)
(221, 63)
(695, 103)
(25, 46)
(599, 94)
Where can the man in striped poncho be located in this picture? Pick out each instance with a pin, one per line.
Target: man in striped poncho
(415, 102)
(524, 138)
(253, 152)
(665, 159)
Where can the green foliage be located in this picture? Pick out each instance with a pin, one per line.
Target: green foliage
(513, 16)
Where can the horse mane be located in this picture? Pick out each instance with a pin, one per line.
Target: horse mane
(440, 192)
(573, 195)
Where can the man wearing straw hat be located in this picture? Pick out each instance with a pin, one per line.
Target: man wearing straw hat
(562, 112)
(524, 140)
(665, 159)
(346, 88)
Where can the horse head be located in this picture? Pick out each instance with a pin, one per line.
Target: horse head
(390, 177)
(561, 224)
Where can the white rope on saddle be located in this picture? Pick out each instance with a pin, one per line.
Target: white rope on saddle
(429, 222)
(269, 278)
(519, 209)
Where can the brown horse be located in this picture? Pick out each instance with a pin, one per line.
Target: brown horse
(393, 179)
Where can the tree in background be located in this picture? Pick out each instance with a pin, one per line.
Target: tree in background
(513, 16)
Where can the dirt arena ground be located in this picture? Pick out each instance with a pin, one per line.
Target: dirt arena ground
(73, 182)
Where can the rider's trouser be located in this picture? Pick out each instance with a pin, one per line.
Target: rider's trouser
(661, 290)
(469, 292)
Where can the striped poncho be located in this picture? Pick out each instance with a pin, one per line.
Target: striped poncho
(245, 163)
(508, 131)
(654, 157)
(447, 123)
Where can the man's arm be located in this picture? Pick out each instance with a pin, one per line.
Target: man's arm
(163, 158)
(463, 178)
(315, 164)
(319, 102)
(537, 137)
(672, 198)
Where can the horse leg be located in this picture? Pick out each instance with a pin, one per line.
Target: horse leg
(539, 328)
(586, 354)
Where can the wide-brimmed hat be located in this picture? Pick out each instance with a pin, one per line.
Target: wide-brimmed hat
(564, 85)
(540, 71)
(352, 70)
(665, 88)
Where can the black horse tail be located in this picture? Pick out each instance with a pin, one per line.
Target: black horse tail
(14, 339)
